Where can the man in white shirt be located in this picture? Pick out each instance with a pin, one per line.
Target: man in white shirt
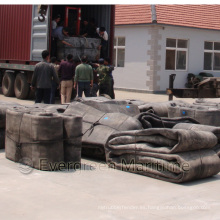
(104, 42)
(55, 21)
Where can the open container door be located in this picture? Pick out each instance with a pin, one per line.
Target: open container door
(72, 19)
(39, 32)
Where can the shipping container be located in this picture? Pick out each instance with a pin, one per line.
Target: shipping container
(25, 33)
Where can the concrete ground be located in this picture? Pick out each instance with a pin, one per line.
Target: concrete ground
(99, 193)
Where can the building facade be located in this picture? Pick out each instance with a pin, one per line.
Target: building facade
(148, 48)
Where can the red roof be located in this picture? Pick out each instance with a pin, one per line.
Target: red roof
(199, 16)
(132, 14)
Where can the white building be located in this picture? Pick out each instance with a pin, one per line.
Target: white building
(154, 41)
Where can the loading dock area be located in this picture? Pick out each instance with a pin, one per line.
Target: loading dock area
(98, 192)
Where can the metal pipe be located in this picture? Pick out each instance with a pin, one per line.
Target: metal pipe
(171, 82)
(153, 14)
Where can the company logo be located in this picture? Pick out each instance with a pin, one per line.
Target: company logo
(25, 165)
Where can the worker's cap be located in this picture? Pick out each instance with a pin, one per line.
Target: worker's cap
(101, 60)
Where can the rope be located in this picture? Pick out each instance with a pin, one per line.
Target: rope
(93, 124)
(19, 144)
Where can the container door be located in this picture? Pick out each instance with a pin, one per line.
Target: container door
(40, 34)
(72, 20)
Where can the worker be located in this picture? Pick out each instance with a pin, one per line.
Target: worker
(59, 33)
(55, 21)
(54, 86)
(95, 88)
(83, 77)
(104, 78)
(93, 28)
(111, 68)
(89, 28)
(42, 78)
(85, 29)
(103, 47)
(67, 71)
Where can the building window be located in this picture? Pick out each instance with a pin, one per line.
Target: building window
(119, 52)
(176, 54)
(211, 55)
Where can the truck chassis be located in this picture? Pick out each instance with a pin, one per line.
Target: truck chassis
(208, 88)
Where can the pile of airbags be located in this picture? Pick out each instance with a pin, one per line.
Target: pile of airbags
(174, 155)
(46, 139)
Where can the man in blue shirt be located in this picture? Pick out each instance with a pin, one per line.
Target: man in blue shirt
(59, 33)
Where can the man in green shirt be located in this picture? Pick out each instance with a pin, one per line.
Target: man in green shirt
(83, 77)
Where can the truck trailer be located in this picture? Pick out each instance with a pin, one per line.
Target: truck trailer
(26, 32)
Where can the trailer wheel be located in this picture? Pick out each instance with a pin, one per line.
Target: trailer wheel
(21, 86)
(8, 84)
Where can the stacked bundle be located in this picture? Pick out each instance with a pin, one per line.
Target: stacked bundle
(3, 107)
(207, 115)
(52, 135)
(174, 155)
(72, 134)
(98, 126)
(160, 108)
(43, 137)
(51, 107)
(203, 102)
(197, 127)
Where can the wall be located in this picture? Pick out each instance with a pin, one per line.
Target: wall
(196, 39)
(145, 51)
(133, 74)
